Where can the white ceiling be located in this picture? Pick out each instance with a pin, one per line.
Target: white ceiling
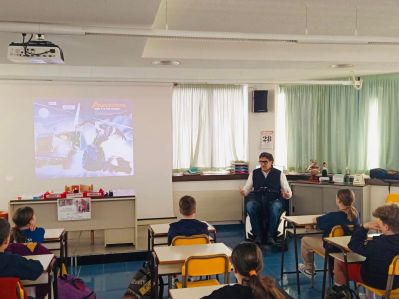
(121, 56)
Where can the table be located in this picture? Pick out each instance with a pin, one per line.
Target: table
(45, 278)
(348, 257)
(296, 222)
(55, 236)
(115, 215)
(178, 254)
(170, 259)
(156, 231)
(193, 293)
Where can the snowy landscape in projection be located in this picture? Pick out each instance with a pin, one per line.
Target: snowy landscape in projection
(83, 138)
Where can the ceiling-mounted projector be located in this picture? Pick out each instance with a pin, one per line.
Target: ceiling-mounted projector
(35, 51)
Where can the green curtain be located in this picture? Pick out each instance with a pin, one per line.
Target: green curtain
(325, 123)
(384, 89)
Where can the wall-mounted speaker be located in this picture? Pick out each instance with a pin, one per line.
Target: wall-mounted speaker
(259, 101)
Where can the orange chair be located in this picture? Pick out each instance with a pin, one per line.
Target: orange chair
(190, 240)
(4, 214)
(12, 288)
(392, 197)
(204, 265)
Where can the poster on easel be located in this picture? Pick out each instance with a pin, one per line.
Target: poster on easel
(74, 209)
(266, 139)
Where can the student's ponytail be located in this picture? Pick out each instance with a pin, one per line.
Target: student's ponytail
(247, 260)
(17, 236)
(347, 198)
(262, 287)
(21, 218)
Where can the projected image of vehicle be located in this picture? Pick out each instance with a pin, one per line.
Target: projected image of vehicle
(87, 139)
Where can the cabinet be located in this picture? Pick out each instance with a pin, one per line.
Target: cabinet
(116, 216)
(310, 199)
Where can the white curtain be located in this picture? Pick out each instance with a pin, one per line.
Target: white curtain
(210, 125)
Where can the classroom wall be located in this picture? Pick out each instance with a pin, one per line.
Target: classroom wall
(258, 122)
(152, 141)
(220, 200)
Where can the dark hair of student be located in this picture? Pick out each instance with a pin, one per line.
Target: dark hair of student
(347, 198)
(4, 230)
(248, 261)
(21, 218)
(268, 156)
(187, 205)
(389, 215)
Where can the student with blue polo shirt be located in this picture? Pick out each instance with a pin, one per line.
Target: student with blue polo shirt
(188, 225)
(26, 229)
(346, 215)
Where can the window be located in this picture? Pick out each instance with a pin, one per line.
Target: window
(210, 125)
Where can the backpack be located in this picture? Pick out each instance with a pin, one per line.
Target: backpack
(340, 292)
(70, 287)
(140, 285)
(384, 174)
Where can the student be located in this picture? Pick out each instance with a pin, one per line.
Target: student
(378, 251)
(247, 262)
(346, 215)
(25, 226)
(13, 265)
(187, 226)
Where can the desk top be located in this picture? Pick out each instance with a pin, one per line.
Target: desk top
(301, 220)
(193, 293)
(44, 259)
(178, 254)
(51, 234)
(25, 201)
(341, 242)
(162, 229)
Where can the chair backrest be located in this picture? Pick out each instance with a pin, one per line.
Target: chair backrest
(339, 230)
(203, 265)
(190, 240)
(394, 266)
(11, 288)
(393, 271)
(392, 197)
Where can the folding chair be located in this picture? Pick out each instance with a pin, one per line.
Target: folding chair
(204, 265)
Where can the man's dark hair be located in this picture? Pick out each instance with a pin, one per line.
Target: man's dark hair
(389, 215)
(187, 205)
(4, 230)
(268, 156)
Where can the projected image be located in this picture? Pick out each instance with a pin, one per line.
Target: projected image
(83, 138)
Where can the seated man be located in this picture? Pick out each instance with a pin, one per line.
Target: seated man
(269, 185)
(14, 265)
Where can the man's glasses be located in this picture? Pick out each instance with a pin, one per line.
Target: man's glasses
(263, 162)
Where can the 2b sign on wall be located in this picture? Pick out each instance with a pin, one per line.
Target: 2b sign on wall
(266, 139)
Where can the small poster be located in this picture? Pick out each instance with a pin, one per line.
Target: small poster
(266, 139)
(74, 209)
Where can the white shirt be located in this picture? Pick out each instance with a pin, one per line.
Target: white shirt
(285, 187)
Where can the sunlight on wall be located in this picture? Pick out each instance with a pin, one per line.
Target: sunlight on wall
(373, 149)
(281, 139)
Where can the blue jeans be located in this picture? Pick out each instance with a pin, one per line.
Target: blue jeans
(272, 212)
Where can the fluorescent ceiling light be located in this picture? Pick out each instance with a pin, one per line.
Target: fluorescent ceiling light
(18, 27)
